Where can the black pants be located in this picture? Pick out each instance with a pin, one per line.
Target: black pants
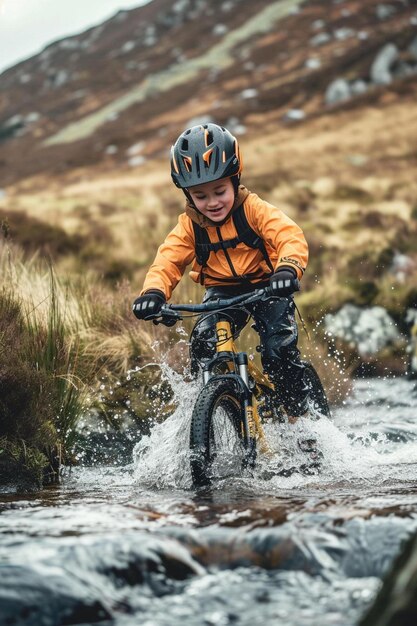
(275, 322)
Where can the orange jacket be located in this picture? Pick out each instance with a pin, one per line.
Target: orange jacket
(284, 241)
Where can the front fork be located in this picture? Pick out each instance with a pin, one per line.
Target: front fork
(253, 426)
(254, 432)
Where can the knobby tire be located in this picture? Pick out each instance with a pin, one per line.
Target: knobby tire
(218, 405)
(317, 393)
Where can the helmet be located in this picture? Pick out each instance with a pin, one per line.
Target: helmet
(203, 154)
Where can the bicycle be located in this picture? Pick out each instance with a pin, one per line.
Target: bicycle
(236, 398)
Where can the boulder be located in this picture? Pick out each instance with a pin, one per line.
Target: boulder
(338, 91)
(368, 329)
(381, 69)
(396, 603)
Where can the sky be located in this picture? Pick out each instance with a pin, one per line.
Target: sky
(27, 26)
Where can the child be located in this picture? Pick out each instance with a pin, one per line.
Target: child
(237, 243)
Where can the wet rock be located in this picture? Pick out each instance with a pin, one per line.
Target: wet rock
(381, 69)
(64, 582)
(369, 329)
(277, 548)
(358, 548)
(338, 91)
(28, 598)
(396, 603)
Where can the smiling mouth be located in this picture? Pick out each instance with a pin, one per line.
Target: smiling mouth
(216, 210)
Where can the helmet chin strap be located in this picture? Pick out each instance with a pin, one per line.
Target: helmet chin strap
(189, 198)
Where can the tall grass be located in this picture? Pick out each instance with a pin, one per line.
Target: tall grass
(44, 371)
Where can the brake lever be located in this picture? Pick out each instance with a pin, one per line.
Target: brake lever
(167, 318)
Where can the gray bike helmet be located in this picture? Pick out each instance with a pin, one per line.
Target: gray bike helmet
(203, 154)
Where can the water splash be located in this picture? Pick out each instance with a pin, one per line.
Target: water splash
(162, 459)
(354, 449)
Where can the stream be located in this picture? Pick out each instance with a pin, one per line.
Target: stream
(135, 545)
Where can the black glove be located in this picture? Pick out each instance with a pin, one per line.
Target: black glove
(149, 304)
(284, 282)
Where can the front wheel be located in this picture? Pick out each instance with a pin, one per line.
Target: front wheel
(317, 393)
(219, 443)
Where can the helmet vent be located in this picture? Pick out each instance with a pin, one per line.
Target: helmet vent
(209, 138)
(184, 144)
(216, 159)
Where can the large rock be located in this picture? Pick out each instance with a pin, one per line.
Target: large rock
(338, 91)
(396, 603)
(368, 329)
(381, 69)
(87, 580)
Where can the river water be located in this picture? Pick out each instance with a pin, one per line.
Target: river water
(135, 545)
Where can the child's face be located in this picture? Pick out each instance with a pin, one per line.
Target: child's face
(215, 199)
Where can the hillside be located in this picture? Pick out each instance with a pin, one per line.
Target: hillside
(144, 74)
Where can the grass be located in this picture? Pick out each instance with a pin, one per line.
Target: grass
(43, 372)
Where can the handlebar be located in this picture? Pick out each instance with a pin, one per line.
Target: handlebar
(171, 313)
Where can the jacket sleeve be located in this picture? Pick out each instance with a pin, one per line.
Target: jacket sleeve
(173, 256)
(280, 233)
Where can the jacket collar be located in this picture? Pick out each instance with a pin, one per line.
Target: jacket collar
(203, 221)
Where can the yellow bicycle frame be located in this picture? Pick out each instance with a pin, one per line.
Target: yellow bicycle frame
(225, 343)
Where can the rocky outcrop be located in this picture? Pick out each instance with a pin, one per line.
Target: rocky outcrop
(396, 603)
(369, 329)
